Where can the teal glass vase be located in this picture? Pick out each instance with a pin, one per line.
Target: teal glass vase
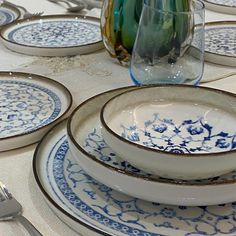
(120, 22)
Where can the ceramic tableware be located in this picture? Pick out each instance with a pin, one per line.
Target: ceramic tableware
(29, 105)
(8, 14)
(223, 6)
(174, 131)
(220, 42)
(92, 208)
(99, 160)
(56, 35)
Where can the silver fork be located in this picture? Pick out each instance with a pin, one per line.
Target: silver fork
(11, 209)
(26, 13)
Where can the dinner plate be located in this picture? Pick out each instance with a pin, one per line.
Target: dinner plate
(99, 160)
(56, 35)
(92, 208)
(223, 6)
(29, 105)
(8, 14)
(220, 42)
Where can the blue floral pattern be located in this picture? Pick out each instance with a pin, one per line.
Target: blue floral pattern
(106, 209)
(57, 33)
(95, 145)
(25, 107)
(191, 136)
(221, 40)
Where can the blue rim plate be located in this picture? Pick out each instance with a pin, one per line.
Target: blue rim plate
(29, 104)
(77, 198)
(8, 14)
(55, 35)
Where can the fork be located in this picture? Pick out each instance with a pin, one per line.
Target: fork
(26, 13)
(11, 209)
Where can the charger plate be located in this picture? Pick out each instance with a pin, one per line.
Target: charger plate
(220, 42)
(55, 35)
(77, 198)
(29, 105)
(8, 14)
(223, 6)
(98, 160)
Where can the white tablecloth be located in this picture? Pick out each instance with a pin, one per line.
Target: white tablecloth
(84, 76)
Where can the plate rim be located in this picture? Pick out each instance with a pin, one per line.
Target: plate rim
(43, 190)
(219, 5)
(128, 173)
(36, 77)
(219, 23)
(45, 17)
(14, 9)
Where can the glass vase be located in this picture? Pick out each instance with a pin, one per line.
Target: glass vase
(119, 25)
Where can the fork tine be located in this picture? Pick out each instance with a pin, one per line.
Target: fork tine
(5, 191)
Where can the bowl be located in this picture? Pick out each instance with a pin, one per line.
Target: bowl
(173, 131)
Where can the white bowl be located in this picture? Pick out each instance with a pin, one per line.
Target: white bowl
(173, 131)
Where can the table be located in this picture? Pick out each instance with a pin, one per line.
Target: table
(84, 76)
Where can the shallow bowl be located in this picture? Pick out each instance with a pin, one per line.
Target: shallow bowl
(173, 131)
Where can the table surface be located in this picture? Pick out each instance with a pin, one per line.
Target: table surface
(84, 76)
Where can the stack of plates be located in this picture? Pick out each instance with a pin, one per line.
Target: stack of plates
(76, 197)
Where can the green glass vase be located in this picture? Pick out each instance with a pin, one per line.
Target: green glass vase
(120, 21)
(119, 25)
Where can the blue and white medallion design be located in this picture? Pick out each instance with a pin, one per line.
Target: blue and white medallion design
(189, 136)
(117, 214)
(95, 145)
(56, 33)
(221, 40)
(230, 3)
(7, 15)
(25, 107)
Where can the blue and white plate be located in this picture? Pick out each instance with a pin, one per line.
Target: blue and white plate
(92, 208)
(58, 35)
(8, 14)
(223, 6)
(29, 105)
(100, 161)
(220, 42)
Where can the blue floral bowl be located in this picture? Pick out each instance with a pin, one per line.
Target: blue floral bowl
(174, 131)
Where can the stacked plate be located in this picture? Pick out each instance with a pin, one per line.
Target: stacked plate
(85, 182)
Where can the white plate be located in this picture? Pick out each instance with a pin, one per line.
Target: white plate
(8, 14)
(85, 204)
(223, 6)
(56, 35)
(99, 161)
(29, 105)
(220, 42)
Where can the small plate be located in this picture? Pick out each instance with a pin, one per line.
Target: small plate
(100, 161)
(8, 14)
(92, 208)
(223, 6)
(56, 35)
(29, 105)
(220, 42)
